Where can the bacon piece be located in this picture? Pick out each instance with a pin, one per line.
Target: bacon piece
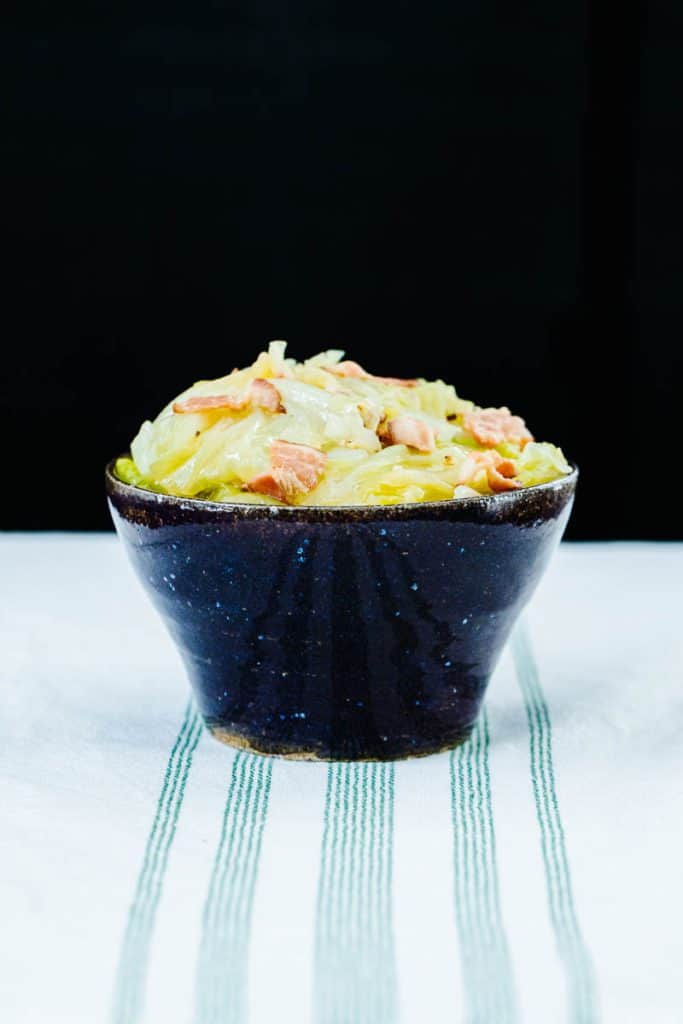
(265, 395)
(350, 369)
(407, 430)
(306, 462)
(499, 471)
(500, 477)
(260, 393)
(494, 426)
(295, 469)
(205, 403)
(278, 483)
(401, 382)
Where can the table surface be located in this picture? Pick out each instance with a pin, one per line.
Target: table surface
(149, 874)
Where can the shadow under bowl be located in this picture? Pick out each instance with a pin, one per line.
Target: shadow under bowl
(355, 633)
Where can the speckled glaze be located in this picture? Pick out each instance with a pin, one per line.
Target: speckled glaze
(343, 633)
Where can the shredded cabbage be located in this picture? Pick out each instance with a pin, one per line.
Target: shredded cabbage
(218, 453)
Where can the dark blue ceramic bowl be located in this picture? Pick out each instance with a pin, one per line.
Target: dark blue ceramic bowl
(341, 633)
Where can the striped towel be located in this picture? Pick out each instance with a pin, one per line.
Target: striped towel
(149, 875)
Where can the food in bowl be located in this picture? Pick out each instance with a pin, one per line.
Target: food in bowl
(325, 432)
(339, 556)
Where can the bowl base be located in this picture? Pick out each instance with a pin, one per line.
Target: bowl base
(235, 739)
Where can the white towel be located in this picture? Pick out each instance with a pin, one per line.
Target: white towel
(149, 875)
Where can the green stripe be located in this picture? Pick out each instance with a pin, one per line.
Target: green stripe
(324, 883)
(131, 974)
(486, 964)
(342, 865)
(355, 971)
(222, 968)
(388, 988)
(228, 855)
(572, 949)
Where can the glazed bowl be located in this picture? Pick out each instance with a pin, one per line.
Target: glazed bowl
(355, 633)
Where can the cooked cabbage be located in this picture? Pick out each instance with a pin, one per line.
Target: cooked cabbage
(367, 428)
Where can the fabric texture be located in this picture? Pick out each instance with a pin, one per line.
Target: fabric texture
(149, 874)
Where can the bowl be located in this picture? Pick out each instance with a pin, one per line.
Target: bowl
(346, 633)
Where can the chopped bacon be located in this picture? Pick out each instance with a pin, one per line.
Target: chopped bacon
(499, 471)
(401, 382)
(350, 369)
(260, 393)
(278, 483)
(407, 430)
(295, 469)
(308, 463)
(205, 403)
(494, 426)
(265, 395)
(499, 477)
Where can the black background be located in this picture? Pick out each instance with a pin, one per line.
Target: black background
(487, 192)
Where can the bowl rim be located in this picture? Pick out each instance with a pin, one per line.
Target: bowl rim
(484, 502)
